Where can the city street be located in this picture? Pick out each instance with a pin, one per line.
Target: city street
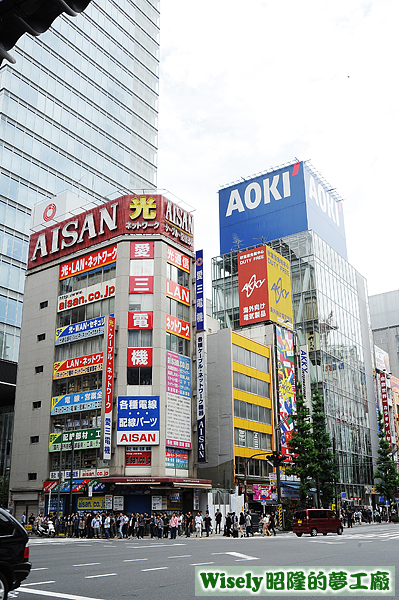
(148, 569)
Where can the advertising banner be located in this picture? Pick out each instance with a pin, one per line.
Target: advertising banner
(138, 458)
(108, 387)
(385, 408)
(176, 258)
(79, 331)
(263, 493)
(201, 393)
(178, 400)
(83, 439)
(141, 284)
(127, 214)
(264, 287)
(177, 292)
(286, 384)
(97, 259)
(93, 293)
(78, 366)
(93, 504)
(178, 327)
(199, 291)
(381, 360)
(76, 402)
(138, 420)
(139, 357)
(141, 250)
(176, 459)
(139, 320)
(305, 376)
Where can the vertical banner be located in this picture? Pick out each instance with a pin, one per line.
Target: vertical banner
(305, 376)
(199, 291)
(385, 408)
(286, 384)
(108, 388)
(201, 438)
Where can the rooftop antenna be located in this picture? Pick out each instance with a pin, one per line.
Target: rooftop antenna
(237, 242)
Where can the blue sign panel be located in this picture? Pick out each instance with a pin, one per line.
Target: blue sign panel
(76, 402)
(199, 291)
(138, 420)
(277, 204)
(80, 331)
(184, 376)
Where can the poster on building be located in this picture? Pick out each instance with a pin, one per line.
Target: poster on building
(381, 360)
(178, 400)
(385, 408)
(102, 257)
(83, 401)
(87, 295)
(264, 287)
(138, 421)
(78, 366)
(264, 493)
(176, 459)
(199, 291)
(108, 382)
(83, 439)
(201, 393)
(286, 384)
(306, 388)
(79, 331)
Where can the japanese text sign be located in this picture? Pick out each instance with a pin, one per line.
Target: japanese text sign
(138, 420)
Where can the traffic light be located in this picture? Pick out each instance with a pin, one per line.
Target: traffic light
(278, 458)
(31, 16)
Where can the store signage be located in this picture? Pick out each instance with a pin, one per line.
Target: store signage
(139, 320)
(199, 291)
(78, 366)
(178, 327)
(305, 376)
(93, 504)
(264, 287)
(143, 214)
(176, 258)
(141, 284)
(286, 384)
(177, 292)
(139, 357)
(138, 458)
(201, 414)
(139, 250)
(178, 400)
(76, 402)
(385, 408)
(83, 439)
(86, 263)
(108, 387)
(138, 420)
(176, 459)
(87, 295)
(79, 331)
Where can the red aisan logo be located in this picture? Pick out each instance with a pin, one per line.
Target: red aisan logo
(49, 212)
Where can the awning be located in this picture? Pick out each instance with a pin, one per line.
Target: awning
(173, 482)
(77, 486)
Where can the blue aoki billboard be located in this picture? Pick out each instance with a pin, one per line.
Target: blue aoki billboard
(279, 203)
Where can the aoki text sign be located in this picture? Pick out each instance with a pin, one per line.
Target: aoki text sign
(138, 421)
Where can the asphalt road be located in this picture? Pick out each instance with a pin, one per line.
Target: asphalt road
(150, 569)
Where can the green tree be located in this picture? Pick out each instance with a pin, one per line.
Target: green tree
(325, 471)
(302, 447)
(386, 470)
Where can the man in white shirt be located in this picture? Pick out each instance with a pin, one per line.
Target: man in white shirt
(198, 525)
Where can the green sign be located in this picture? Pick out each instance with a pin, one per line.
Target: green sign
(83, 438)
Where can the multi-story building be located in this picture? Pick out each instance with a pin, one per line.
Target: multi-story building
(384, 314)
(78, 113)
(295, 211)
(104, 395)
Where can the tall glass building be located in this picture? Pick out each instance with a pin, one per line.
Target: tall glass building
(78, 112)
(330, 316)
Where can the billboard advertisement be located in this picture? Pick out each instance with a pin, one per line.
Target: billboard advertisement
(137, 319)
(76, 402)
(178, 327)
(140, 250)
(385, 408)
(86, 263)
(139, 357)
(154, 214)
(286, 384)
(83, 439)
(79, 331)
(306, 388)
(178, 400)
(108, 387)
(264, 287)
(138, 421)
(86, 295)
(201, 394)
(176, 258)
(78, 366)
(278, 203)
(381, 360)
(199, 291)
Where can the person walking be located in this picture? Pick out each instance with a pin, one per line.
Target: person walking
(218, 520)
(272, 523)
(207, 523)
(198, 525)
(265, 525)
(248, 522)
(349, 517)
(228, 525)
(242, 524)
(23, 520)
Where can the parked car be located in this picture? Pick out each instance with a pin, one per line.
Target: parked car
(14, 554)
(316, 520)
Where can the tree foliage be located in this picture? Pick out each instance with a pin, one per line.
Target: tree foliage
(325, 470)
(386, 470)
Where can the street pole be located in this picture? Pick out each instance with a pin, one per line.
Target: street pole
(71, 478)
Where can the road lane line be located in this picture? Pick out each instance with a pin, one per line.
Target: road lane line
(55, 594)
(102, 575)
(37, 583)
(181, 556)
(40, 569)
(238, 555)
(155, 569)
(134, 559)
(86, 564)
(200, 564)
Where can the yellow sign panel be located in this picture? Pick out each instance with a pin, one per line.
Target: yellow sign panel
(279, 284)
(94, 504)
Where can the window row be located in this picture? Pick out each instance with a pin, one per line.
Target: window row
(178, 309)
(85, 420)
(82, 348)
(177, 344)
(14, 218)
(252, 439)
(251, 359)
(177, 275)
(252, 412)
(142, 267)
(139, 375)
(14, 247)
(84, 312)
(139, 338)
(10, 311)
(12, 277)
(251, 385)
(84, 280)
(81, 383)
(82, 459)
(9, 343)
(18, 191)
(141, 302)
(255, 467)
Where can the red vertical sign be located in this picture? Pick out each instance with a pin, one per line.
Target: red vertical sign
(109, 388)
(385, 408)
(252, 286)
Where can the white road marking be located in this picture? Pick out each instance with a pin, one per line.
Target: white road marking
(238, 555)
(155, 569)
(179, 544)
(323, 542)
(37, 583)
(134, 559)
(181, 556)
(200, 564)
(102, 575)
(40, 569)
(86, 564)
(55, 594)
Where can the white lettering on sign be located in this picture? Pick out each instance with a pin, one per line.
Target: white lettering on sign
(253, 193)
(179, 217)
(324, 200)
